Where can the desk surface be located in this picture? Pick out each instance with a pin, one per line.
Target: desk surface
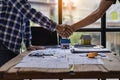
(110, 69)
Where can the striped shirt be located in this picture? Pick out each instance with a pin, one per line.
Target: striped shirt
(14, 23)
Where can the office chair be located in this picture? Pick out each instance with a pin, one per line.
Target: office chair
(43, 37)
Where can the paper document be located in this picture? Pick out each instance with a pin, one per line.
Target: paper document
(56, 58)
(49, 58)
(85, 50)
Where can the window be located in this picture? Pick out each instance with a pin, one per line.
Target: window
(75, 10)
(113, 28)
(47, 7)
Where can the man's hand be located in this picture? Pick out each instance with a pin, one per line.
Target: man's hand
(64, 30)
(30, 48)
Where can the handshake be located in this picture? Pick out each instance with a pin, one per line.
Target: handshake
(64, 30)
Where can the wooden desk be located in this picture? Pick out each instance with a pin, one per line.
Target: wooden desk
(110, 69)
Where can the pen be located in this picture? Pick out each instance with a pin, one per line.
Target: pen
(72, 69)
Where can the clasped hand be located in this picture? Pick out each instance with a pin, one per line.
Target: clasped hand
(64, 30)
